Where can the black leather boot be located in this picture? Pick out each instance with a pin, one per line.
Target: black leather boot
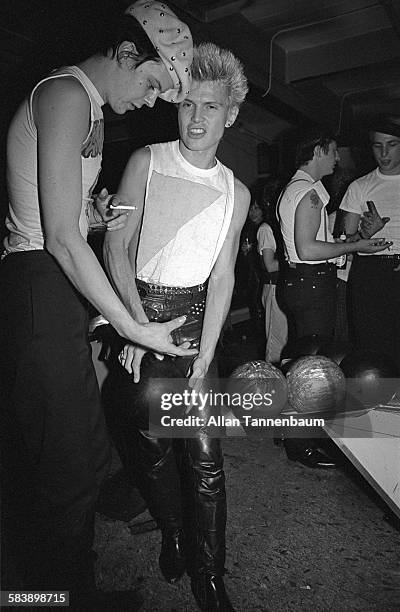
(172, 558)
(210, 594)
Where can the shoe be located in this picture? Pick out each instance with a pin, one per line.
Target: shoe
(314, 458)
(172, 557)
(210, 594)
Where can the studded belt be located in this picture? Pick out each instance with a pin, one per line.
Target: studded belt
(162, 303)
(394, 256)
(148, 289)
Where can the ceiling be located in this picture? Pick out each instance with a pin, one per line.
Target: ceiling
(334, 61)
(326, 61)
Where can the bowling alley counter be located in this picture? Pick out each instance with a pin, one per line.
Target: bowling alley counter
(371, 441)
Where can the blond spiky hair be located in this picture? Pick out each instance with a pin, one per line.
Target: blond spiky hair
(211, 63)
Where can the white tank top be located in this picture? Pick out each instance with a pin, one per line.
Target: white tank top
(186, 217)
(24, 219)
(300, 184)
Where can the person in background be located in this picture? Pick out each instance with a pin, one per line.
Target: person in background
(182, 248)
(55, 447)
(270, 248)
(309, 278)
(250, 274)
(374, 280)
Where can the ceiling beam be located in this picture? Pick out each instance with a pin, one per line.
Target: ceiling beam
(393, 12)
(211, 11)
(347, 41)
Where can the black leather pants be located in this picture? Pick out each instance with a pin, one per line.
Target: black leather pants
(182, 480)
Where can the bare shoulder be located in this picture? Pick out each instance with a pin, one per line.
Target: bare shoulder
(140, 159)
(242, 194)
(311, 199)
(241, 205)
(62, 104)
(132, 186)
(66, 90)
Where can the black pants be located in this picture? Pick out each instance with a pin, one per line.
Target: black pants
(374, 299)
(55, 448)
(309, 299)
(182, 480)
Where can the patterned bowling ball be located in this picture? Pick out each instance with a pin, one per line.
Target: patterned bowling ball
(315, 384)
(372, 378)
(261, 387)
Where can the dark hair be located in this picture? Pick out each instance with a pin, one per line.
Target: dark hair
(318, 137)
(122, 28)
(266, 195)
(385, 124)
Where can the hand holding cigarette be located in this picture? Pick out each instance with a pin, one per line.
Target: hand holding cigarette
(114, 211)
(122, 207)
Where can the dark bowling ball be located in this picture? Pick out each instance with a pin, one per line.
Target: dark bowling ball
(257, 388)
(336, 350)
(372, 378)
(307, 345)
(315, 384)
(143, 402)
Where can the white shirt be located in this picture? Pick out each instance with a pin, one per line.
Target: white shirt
(300, 184)
(384, 191)
(265, 238)
(24, 219)
(186, 218)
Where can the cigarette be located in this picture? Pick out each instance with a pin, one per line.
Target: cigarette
(123, 207)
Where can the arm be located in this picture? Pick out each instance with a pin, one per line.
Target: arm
(350, 222)
(120, 247)
(306, 225)
(119, 253)
(271, 264)
(266, 247)
(352, 208)
(220, 287)
(61, 114)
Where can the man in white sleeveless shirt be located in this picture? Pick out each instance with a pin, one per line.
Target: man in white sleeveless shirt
(309, 278)
(55, 447)
(184, 237)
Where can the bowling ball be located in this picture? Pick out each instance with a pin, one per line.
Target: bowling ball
(315, 384)
(307, 345)
(257, 388)
(336, 350)
(372, 378)
(139, 401)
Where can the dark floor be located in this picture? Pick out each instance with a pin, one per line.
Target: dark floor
(298, 539)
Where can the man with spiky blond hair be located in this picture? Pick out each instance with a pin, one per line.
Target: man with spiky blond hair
(181, 247)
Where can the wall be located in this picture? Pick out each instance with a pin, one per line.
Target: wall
(238, 151)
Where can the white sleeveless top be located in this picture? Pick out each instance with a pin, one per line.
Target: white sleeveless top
(186, 217)
(24, 219)
(300, 184)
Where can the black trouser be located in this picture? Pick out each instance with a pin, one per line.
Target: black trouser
(182, 480)
(374, 299)
(55, 448)
(309, 296)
